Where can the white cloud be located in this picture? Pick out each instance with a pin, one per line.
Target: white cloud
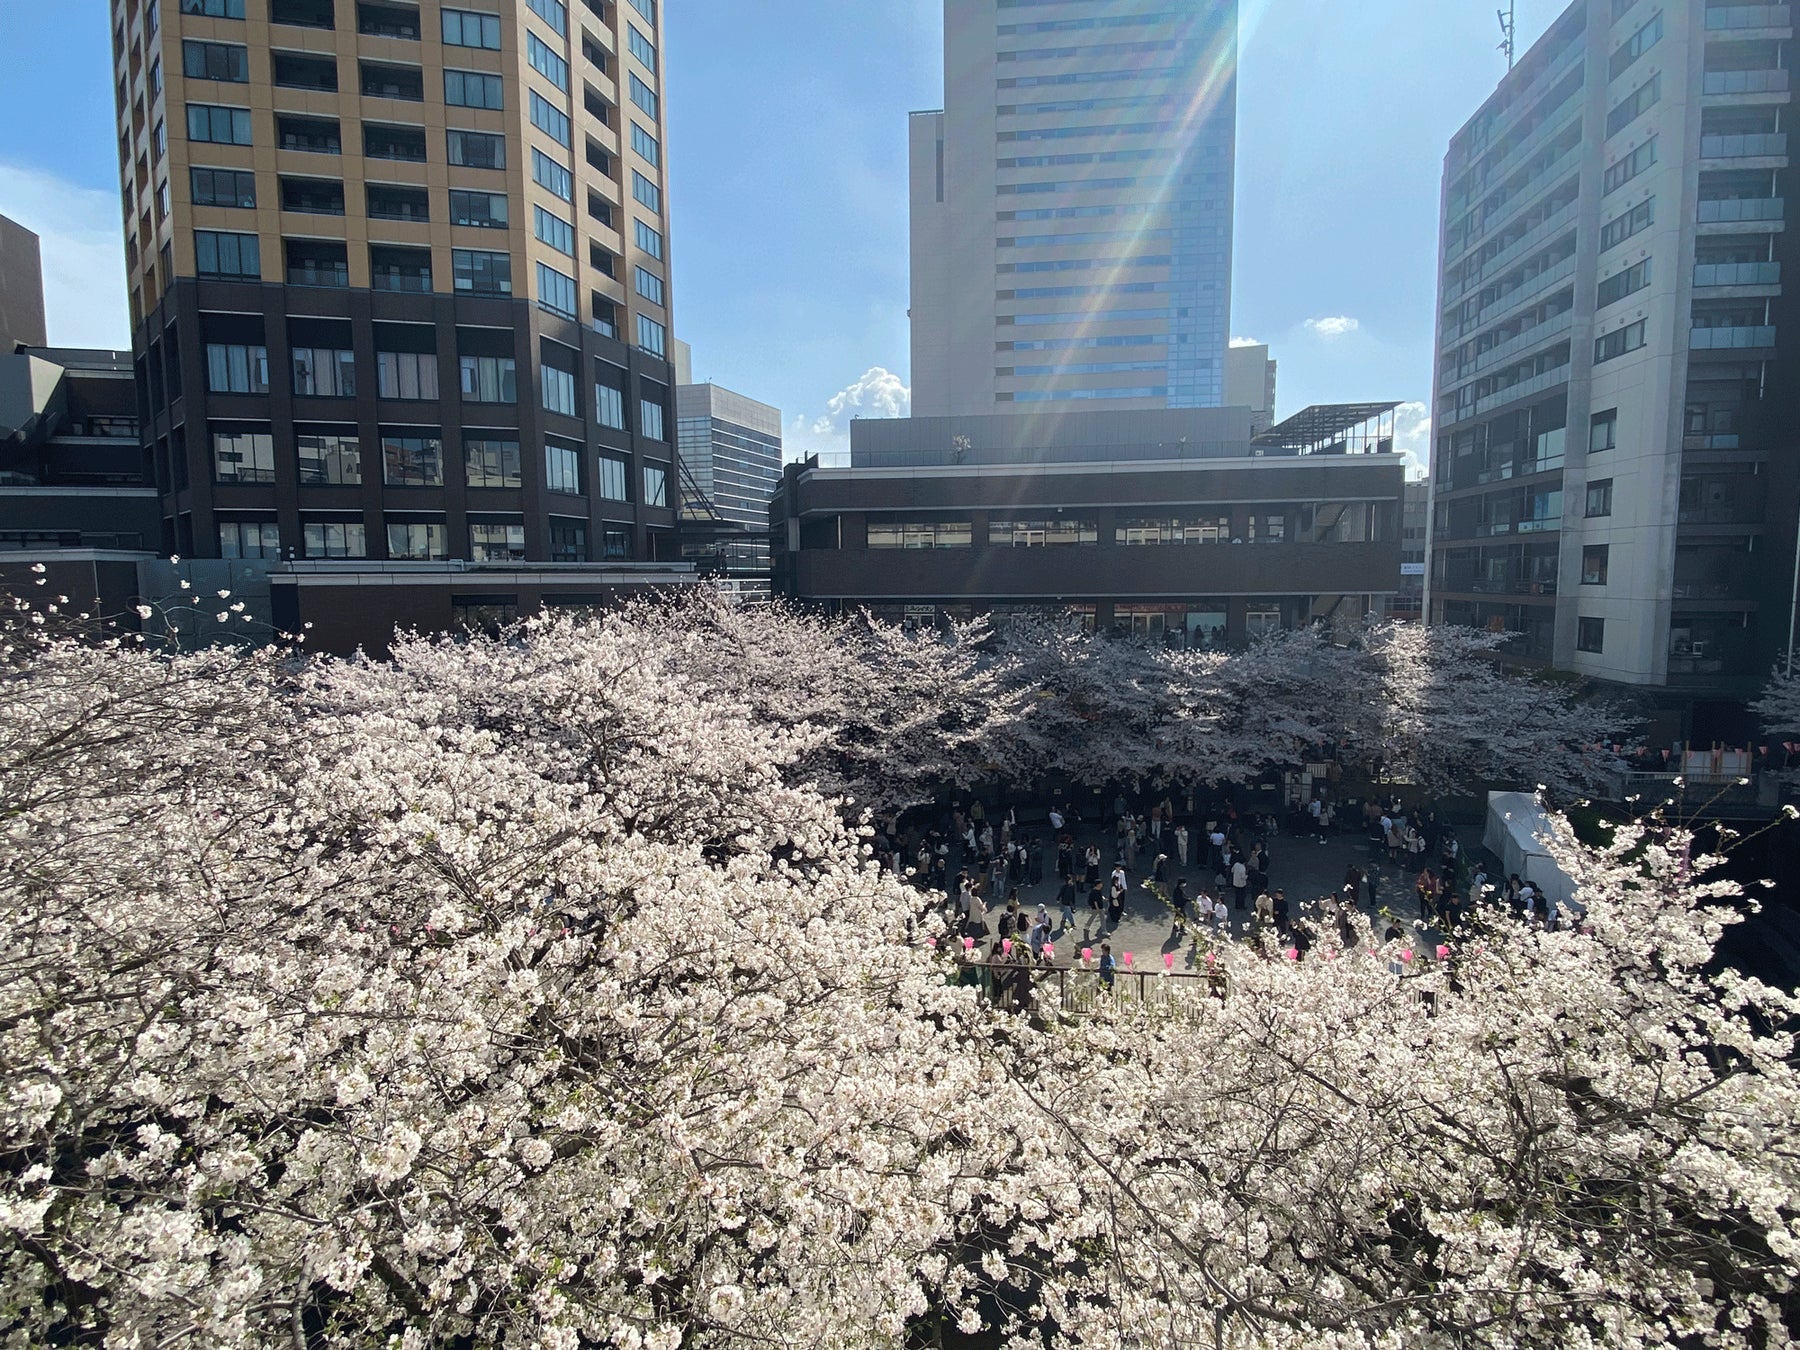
(1333, 326)
(83, 247)
(1412, 433)
(878, 393)
(1245, 342)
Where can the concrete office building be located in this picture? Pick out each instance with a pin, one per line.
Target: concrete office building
(1181, 524)
(21, 289)
(1616, 414)
(399, 287)
(1071, 207)
(729, 451)
(1250, 381)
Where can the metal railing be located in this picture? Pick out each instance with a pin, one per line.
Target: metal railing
(1735, 209)
(1737, 274)
(1726, 18)
(1724, 338)
(1744, 82)
(1081, 988)
(1744, 145)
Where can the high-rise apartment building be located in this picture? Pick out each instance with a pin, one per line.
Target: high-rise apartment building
(21, 288)
(1250, 381)
(1615, 410)
(399, 277)
(1071, 207)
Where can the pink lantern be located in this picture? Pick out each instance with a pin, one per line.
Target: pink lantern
(968, 944)
(1443, 952)
(1292, 953)
(1406, 955)
(1087, 953)
(1128, 960)
(931, 943)
(1168, 960)
(1211, 958)
(1006, 945)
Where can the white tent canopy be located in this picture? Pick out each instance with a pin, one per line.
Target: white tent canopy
(1515, 825)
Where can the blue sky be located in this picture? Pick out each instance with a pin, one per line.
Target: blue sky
(787, 149)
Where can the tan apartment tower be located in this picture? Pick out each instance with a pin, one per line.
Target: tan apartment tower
(399, 277)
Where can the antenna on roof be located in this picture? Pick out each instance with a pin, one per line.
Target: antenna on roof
(1509, 26)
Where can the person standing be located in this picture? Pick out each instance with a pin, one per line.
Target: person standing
(1107, 965)
(1426, 885)
(1115, 912)
(1240, 881)
(1065, 897)
(1093, 864)
(1096, 907)
(1258, 862)
(1181, 844)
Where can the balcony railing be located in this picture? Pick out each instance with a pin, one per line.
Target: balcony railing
(1727, 338)
(1744, 145)
(1727, 18)
(1737, 274)
(1745, 82)
(1734, 209)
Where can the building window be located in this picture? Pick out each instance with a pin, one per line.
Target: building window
(568, 539)
(648, 9)
(222, 187)
(548, 120)
(645, 144)
(1639, 217)
(475, 149)
(465, 29)
(1630, 167)
(1603, 431)
(218, 126)
(243, 456)
(479, 272)
(421, 541)
(394, 142)
(1619, 341)
(217, 254)
(314, 135)
(612, 479)
(321, 372)
(644, 96)
(483, 210)
(399, 269)
(556, 292)
(562, 470)
(1042, 533)
(1593, 565)
(651, 335)
(1590, 635)
(1641, 41)
(212, 9)
(406, 375)
(159, 141)
(615, 545)
(329, 459)
(647, 194)
(234, 369)
(559, 391)
(552, 13)
(489, 379)
(492, 462)
(334, 539)
(649, 240)
(649, 285)
(609, 406)
(915, 534)
(317, 262)
(223, 61)
(412, 459)
(650, 419)
(641, 47)
(249, 539)
(1599, 498)
(494, 542)
(553, 230)
(390, 201)
(1634, 106)
(1621, 284)
(472, 89)
(546, 62)
(656, 485)
(551, 176)
(312, 196)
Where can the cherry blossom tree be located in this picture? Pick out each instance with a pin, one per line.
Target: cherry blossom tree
(531, 992)
(1778, 709)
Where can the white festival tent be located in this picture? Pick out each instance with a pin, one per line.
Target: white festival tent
(1515, 824)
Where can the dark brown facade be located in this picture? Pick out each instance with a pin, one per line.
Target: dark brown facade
(1196, 547)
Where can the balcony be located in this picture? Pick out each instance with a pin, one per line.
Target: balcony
(1745, 82)
(1745, 145)
(1731, 210)
(1737, 18)
(1737, 274)
(1727, 338)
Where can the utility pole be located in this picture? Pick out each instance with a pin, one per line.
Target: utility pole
(1509, 26)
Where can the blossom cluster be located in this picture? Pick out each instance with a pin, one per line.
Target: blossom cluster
(541, 992)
